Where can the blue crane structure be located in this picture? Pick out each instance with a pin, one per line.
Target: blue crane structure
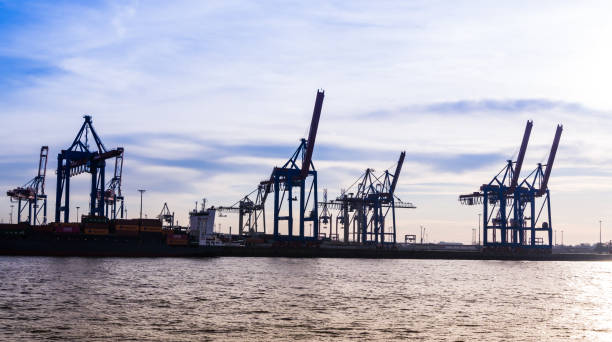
(326, 218)
(251, 213)
(373, 200)
(509, 207)
(79, 158)
(298, 172)
(32, 193)
(113, 196)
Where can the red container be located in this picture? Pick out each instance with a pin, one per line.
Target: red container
(177, 239)
(67, 229)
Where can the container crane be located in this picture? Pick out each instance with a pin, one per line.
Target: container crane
(294, 174)
(374, 199)
(535, 186)
(499, 194)
(113, 196)
(79, 158)
(32, 193)
(378, 199)
(326, 217)
(250, 212)
(504, 197)
(166, 216)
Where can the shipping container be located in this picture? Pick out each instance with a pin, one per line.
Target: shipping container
(67, 228)
(151, 229)
(13, 230)
(45, 228)
(126, 229)
(95, 230)
(175, 239)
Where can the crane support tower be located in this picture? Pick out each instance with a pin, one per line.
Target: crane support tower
(509, 207)
(298, 172)
(79, 158)
(32, 193)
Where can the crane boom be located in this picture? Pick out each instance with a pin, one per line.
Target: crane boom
(521, 155)
(551, 160)
(398, 169)
(312, 133)
(42, 168)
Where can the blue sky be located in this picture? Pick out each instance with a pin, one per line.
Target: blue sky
(206, 97)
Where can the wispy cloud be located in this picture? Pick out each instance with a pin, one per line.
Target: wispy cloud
(207, 97)
(508, 106)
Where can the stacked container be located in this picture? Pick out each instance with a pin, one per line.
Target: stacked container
(95, 225)
(63, 228)
(124, 227)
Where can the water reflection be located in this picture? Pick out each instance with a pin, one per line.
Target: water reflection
(303, 299)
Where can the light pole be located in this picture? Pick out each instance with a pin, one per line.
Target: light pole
(479, 215)
(421, 235)
(78, 213)
(141, 192)
(310, 230)
(600, 232)
(11, 219)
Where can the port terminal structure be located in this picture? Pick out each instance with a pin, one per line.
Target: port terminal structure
(79, 158)
(511, 212)
(33, 192)
(299, 175)
(367, 208)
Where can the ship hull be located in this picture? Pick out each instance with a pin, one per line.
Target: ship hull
(125, 247)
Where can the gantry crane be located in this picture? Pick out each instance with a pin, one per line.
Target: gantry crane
(535, 186)
(166, 216)
(326, 217)
(374, 199)
(79, 158)
(251, 213)
(113, 196)
(32, 193)
(505, 200)
(298, 172)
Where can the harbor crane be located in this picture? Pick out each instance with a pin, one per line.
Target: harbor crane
(166, 216)
(298, 172)
(326, 217)
(373, 200)
(535, 186)
(112, 196)
(251, 213)
(505, 201)
(32, 193)
(80, 158)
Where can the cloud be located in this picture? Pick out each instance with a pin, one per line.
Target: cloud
(207, 97)
(508, 106)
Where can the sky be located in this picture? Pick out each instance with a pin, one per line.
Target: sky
(207, 97)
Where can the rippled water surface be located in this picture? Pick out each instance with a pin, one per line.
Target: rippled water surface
(303, 299)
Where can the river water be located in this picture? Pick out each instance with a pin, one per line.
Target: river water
(262, 299)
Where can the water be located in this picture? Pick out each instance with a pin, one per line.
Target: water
(303, 299)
